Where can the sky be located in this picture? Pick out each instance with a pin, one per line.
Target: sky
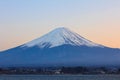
(24, 20)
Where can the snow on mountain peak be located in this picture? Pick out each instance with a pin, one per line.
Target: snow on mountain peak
(60, 36)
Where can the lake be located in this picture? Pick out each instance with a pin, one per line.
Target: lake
(60, 77)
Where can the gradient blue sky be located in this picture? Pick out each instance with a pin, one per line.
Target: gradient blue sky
(24, 20)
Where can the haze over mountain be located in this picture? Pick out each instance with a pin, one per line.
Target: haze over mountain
(60, 47)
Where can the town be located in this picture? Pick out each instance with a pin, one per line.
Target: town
(60, 70)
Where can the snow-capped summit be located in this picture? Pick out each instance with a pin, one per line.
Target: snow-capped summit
(58, 37)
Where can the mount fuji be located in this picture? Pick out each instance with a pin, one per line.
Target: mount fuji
(60, 47)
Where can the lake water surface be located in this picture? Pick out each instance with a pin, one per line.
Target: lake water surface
(60, 77)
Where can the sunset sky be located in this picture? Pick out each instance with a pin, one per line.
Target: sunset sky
(24, 20)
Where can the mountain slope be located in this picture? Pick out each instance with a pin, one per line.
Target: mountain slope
(61, 47)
